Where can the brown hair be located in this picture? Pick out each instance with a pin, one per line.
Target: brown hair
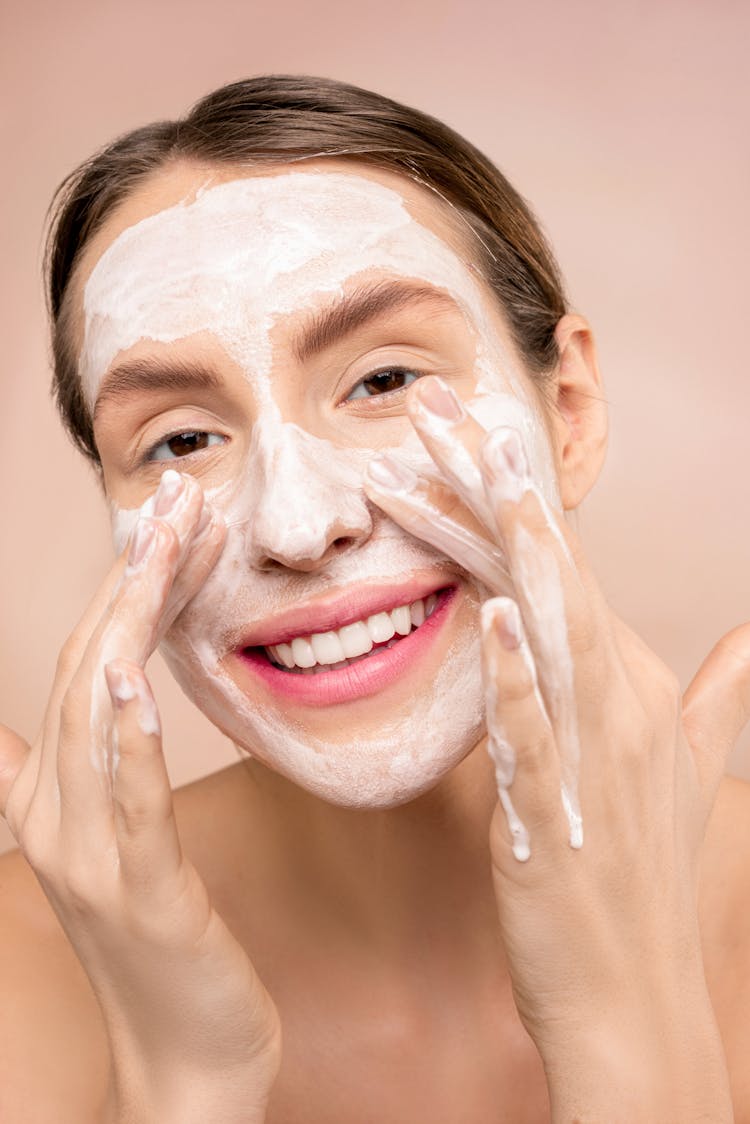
(284, 118)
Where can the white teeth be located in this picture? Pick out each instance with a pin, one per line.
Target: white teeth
(381, 627)
(303, 652)
(327, 647)
(401, 618)
(329, 651)
(355, 639)
(282, 653)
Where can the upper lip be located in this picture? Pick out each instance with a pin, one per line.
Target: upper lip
(333, 611)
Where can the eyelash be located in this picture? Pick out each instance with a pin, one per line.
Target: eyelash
(384, 372)
(187, 433)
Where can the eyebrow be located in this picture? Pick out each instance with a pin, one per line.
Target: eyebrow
(360, 308)
(136, 376)
(327, 327)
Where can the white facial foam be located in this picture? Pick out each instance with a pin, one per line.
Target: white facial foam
(235, 262)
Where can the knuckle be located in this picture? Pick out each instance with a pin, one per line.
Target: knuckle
(142, 811)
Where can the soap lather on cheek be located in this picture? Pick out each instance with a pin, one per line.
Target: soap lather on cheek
(233, 261)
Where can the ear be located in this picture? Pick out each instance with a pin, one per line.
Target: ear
(579, 422)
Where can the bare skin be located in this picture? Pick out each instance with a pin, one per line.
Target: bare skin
(416, 1022)
(402, 950)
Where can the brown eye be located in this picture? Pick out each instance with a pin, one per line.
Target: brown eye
(384, 382)
(183, 444)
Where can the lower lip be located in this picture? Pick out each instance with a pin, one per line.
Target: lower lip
(367, 676)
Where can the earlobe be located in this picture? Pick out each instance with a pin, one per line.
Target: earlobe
(580, 421)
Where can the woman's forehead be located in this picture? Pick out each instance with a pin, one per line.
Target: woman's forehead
(231, 255)
(183, 183)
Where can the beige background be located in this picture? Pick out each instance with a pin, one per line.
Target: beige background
(626, 125)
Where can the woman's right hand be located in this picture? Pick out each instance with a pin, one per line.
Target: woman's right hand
(193, 1033)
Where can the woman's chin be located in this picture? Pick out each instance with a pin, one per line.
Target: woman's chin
(381, 781)
(378, 751)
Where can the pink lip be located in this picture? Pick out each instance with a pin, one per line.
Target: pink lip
(367, 676)
(334, 611)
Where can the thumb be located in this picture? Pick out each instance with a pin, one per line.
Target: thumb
(716, 706)
(13, 753)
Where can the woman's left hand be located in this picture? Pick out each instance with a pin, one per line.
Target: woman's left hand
(606, 779)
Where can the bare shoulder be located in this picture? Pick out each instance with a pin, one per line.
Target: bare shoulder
(725, 928)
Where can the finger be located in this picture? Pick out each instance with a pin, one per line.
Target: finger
(14, 752)
(148, 845)
(520, 738)
(78, 763)
(564, 612)
(201, 532)
(209, 541)
(80, 639)
(432, 512)
(453, 439)
(716, 706)
(162, 546)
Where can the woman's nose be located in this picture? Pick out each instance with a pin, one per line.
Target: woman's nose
(310, 505)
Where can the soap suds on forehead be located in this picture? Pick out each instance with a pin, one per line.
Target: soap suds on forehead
(233, 262)
(248, 251)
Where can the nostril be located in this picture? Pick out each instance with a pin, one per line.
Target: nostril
(267, 564)
(344, 543)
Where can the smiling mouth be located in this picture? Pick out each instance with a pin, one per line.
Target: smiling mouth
(352, 643)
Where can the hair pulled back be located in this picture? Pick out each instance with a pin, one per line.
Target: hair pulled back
(283, 118)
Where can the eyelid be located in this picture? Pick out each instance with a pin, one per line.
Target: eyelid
(148, 454)
(383, 369)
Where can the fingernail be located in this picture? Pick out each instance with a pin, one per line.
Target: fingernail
(390, 474)
(171, 487)
(437, 398)
(504, 458)
(144, 536)
(501, 616)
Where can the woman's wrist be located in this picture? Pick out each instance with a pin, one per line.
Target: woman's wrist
(653, 1066)
(145, 1091)
(196, 1101)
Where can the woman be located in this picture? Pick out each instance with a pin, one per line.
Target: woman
(346, 327)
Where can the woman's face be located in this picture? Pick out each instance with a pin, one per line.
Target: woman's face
(259, 332)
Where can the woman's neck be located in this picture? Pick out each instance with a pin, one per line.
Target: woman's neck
(386, 884)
